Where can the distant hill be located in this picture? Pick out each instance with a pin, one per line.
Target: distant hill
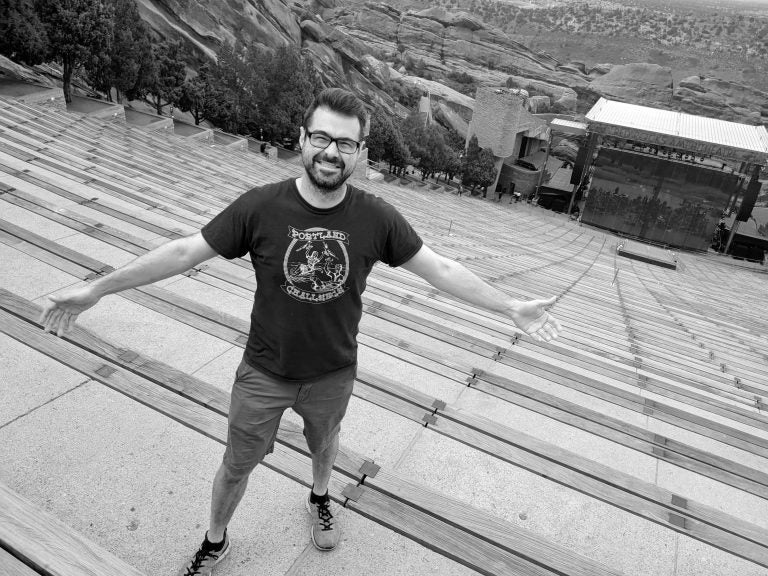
(724, 39)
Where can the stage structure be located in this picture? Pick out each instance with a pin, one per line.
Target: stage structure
(667, 177)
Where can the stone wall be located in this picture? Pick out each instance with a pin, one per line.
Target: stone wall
(525, 181)
(164, 124)
(498, 118)
(114, 113)
(204, 136)
(49, 97)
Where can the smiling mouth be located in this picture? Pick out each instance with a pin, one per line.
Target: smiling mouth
(328, 165)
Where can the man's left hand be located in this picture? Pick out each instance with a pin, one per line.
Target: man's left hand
(532, 317)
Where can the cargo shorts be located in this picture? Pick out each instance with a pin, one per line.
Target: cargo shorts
(257, 404)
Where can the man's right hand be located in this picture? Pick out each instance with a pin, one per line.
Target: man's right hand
(62, 310)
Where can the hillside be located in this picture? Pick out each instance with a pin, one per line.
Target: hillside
(725, 40)
(376, 49)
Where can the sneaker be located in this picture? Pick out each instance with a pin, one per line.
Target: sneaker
(205, 559)
(325, 531)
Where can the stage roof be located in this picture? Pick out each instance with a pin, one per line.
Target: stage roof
(676, 129)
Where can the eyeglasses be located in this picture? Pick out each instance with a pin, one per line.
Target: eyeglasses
(322, 140)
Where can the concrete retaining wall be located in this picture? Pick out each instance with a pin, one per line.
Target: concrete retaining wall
(49, 97)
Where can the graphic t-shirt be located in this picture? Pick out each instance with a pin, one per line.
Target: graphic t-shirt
(311, 268)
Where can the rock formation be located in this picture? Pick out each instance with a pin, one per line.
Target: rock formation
(721, 99)
(356, 45)
(639, 83)
(203, 25)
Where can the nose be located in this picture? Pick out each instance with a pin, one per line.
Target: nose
(332, 151)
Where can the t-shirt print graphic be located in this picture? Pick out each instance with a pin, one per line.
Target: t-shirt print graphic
(316, 265)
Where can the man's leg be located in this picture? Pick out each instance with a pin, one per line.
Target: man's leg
(228, 490)
(322, 466)
(323, 405)
(325, 531)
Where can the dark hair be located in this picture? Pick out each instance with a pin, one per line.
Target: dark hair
(340, 101)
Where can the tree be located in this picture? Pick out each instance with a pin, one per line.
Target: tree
(478, 166)
(262, 92)
(452, 166)
(428, 144)
(229, 77)
(385, 142)
(119, 68)
(166, 75)
(290, 83)
(380, 136)
(200, 96)
(405, 94)
(79, 35)
(22, 35)
(145, 58)
(130, 49)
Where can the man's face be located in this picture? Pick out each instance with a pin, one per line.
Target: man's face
(329, 168)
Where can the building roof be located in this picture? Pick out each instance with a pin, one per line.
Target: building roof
(753, 139)
(561, 180)
(568, 126)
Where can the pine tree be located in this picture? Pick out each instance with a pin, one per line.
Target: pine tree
(200, 96)
(22, 35)
(291, 83)
(79, 33)
(385, 142)
(478, 166)
(229, 78)
(167, 75)
(131, 45)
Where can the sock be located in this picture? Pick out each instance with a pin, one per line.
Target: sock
(215, 545)
(315, 499)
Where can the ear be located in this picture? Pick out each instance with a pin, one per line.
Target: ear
(302, 135)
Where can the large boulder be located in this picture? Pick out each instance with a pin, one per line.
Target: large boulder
(721, 99)
(638, 83)
(376, 70)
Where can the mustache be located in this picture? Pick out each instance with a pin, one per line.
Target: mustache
(322, 157)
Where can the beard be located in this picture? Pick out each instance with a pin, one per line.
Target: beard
(322, 182)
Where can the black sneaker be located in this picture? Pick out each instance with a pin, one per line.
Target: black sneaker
(205, 559)
(325, 530)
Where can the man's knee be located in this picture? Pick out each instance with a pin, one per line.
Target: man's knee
(329, 444)
(233, 476)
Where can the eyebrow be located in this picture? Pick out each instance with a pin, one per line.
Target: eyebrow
(331, 137)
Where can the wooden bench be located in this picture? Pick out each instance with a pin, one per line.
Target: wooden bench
(33, 542)
(475, 539)
(619, 489)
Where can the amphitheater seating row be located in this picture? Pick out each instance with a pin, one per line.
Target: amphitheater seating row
(641, 340)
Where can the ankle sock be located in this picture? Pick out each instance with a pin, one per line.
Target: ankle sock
(315, 499)
(215, 546)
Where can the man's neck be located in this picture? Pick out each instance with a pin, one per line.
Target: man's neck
(320, 198)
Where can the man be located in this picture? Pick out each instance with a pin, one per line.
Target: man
(312, 242)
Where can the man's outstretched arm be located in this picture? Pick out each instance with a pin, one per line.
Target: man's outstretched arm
(445, 274)
(60, 314)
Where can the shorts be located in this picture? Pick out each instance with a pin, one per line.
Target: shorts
(257, 404)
